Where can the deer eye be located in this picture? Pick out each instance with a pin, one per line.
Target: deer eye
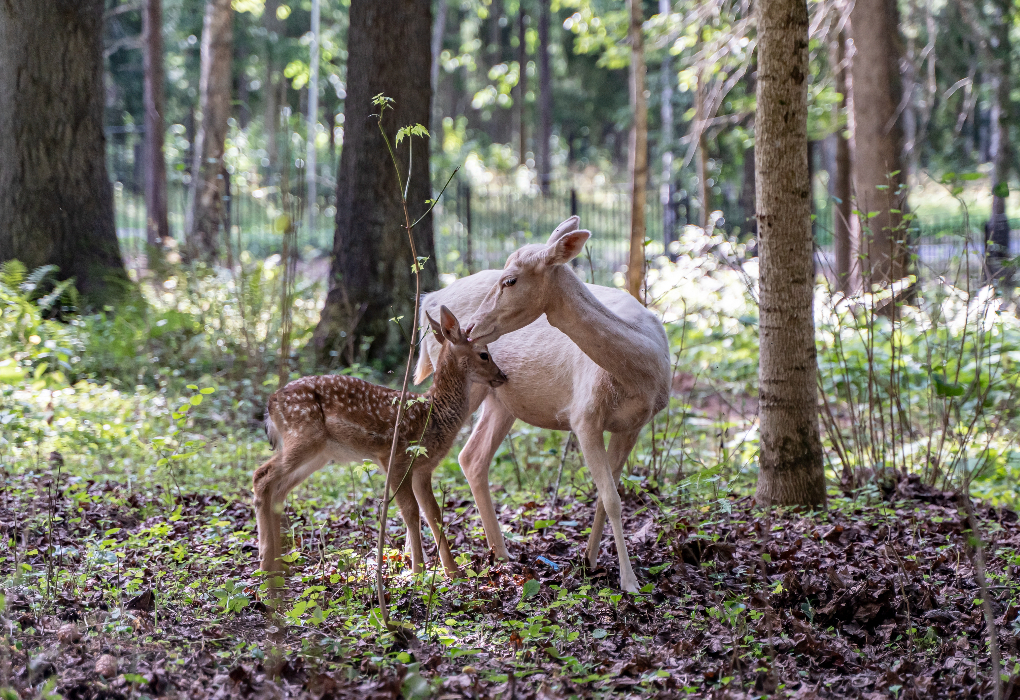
(484, 356)
(510, 282)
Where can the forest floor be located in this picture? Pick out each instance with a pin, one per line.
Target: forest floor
(121, 592)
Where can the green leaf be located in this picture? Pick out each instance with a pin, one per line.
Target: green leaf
(416, 130)
(531, 588)
(946, 389)
(208, 390)
(1001, 190)
(196, 400)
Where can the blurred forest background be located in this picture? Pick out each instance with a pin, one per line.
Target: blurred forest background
(196, 206)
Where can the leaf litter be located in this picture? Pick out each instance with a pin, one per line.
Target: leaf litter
(118, 594)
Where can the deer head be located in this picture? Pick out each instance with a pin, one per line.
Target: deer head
(527, 285)
(474, 357)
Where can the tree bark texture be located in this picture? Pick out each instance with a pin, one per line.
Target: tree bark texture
(667, 191)
(56, 201)
(637, 153)
(704, 191)
(879, 178)
(522, 82)
(275, 86)
(206, 213)
(997, 236)
(544, 98)
(842, 209)
(790, 461)
(371, 278)
(157, 227)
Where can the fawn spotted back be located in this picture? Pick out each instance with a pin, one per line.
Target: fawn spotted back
(314, 420)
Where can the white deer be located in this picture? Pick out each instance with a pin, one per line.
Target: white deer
(593, 359)
(346, 419)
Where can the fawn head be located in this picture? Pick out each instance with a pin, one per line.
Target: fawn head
(473, 357)
(527, 285)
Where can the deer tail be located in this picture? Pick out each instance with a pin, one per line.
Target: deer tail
(271, 430)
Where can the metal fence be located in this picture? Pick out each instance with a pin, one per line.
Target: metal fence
(476, 226)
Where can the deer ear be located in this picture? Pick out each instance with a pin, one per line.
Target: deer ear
(450, 326)
(566, 227)
(568, 247)
(436, 328)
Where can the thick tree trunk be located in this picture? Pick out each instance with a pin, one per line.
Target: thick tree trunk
(842, 231)
(637, 155)
(56, 201)
(154, 97)
(667, 192)
(997, 237)
(879, 178)
(371, 278)
(747, 206)
(544, 98)
(208, 176)
(790, 461)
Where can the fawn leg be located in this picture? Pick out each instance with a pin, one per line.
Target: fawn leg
(412, 518)
(593, 445)
(273, 481)
(475, 458)
(268, 526)
(421, 481)
(620, 445)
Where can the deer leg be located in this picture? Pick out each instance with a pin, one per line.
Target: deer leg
(620, 445)
(421, 481)
(272, 482)
(475, 458)
(267, 521)
(593, 446)
(412, 518)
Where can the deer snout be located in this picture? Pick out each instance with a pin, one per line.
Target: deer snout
(499, 381)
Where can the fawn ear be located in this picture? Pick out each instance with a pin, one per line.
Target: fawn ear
(567, 247)
(450, 326)
(436, 329)
(566, 227)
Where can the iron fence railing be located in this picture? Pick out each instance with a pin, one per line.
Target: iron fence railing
(476, 227)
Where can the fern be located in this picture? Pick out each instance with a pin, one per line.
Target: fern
(36, 278)
(12, 273)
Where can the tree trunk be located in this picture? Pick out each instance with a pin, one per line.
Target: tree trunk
(997, 237)
(704, 191)
(371, 278)
(276, 86)
(522, 83)
(157, 226)
(842, 209)
(544, 98)
(790, 461)
(208, 184)
(747, 193)
(56, 201)
(879, 179)
(637, 155)
(667, 192)
(438, 31)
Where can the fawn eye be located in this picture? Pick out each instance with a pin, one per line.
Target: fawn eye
(510, 282)
(484, 356)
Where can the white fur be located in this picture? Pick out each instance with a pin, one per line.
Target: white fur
(603, 367)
